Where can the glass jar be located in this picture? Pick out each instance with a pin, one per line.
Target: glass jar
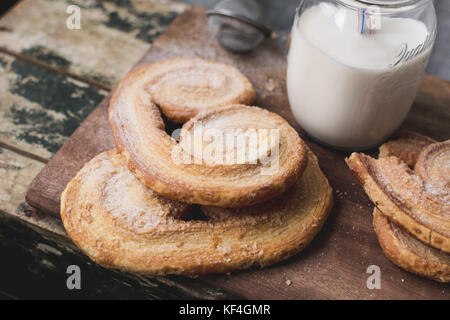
(354, 67)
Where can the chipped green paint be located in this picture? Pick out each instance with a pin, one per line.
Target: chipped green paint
(113, 36)
(122, 3)
(149, 33)
(52, 91)
(115, 21)
(40, 109)
(20, 207)
(3, 62)
(148, 25)
(35, 126)
(55, 94)
(9, 167)
(46, 55)
(17, 172)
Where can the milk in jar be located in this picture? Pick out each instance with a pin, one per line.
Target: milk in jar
(351, 87)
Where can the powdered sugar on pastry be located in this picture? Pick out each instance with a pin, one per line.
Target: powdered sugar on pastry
(433, 165)
(416, 200)
(153, 156)
(120, 223)
(182, 87)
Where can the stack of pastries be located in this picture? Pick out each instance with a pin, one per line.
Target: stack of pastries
(409, 184)
(132, 207)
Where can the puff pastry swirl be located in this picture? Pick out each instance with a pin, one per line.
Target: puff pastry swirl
(159, 161)
(411, 199)
(400, 247)
(182, 87)
(120, 223)
(409, 253)
(407, 147)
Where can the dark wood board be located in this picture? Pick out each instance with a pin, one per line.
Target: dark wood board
(335, 265)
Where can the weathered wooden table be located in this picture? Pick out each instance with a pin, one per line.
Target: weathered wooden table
(51, 79)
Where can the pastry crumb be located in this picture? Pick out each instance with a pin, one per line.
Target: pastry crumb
(270, 85)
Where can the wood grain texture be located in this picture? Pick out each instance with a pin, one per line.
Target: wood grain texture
(113, 35)
(335, 264)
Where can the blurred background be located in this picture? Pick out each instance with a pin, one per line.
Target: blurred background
(280, 15)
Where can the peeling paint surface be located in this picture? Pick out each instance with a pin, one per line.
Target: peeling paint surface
(114, 34)
(16, 172)
(40, 109)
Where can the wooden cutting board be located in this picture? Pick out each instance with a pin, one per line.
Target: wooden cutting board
(335, 265)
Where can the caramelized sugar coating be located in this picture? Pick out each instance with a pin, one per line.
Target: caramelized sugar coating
(404, 217)
(409, 253)
(168, 168)
(433, 166)
(183, 87)
(407, 147)
(401, 194)
(120, 223)
(418, 200)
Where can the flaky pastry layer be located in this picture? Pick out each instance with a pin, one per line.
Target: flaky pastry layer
(409, 253)
(417, 200)
(182, 87)
(120, 223)
(406, 147)
(401, 195)
(433, 166)
(151, 154)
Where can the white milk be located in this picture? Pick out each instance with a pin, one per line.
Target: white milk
(343, 88)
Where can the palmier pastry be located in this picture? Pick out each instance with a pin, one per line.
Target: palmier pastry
(409, 253)
(400, 247)
(120, 223)
(208, 166)
(411, 199)
(182, 87)
(433, 166)
(407, 147)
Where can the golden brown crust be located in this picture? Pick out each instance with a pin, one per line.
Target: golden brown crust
(407, 147)
(183, 87)
(150, 153)
(119, 223)
(393, 228)
(400, 194)
(409, 253)
(433, 166)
